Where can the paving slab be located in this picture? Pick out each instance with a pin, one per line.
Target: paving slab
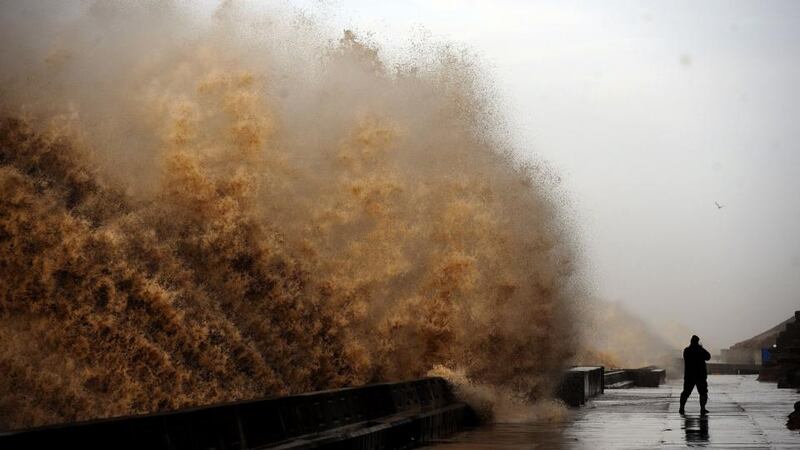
(745, 414)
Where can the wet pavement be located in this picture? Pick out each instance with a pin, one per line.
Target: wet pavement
(744, 414)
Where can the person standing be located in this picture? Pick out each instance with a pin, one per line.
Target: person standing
(695, 374)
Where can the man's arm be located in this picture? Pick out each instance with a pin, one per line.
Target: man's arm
(706, 355)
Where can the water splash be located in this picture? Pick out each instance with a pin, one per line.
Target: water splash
(197, 211)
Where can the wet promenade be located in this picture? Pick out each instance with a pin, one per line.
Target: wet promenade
(744, 414)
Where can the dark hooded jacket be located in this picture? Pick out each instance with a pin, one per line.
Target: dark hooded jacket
(694, 361)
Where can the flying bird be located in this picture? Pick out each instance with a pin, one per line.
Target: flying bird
(719, 206)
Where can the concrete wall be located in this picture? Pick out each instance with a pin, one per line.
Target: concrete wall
(380, 416)
(732, 369)
(580, 384)
(649, 376)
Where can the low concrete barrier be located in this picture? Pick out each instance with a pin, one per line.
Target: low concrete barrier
(379, 416)
(732, 369)
(650, 376)
(618, 379)
(580, 384)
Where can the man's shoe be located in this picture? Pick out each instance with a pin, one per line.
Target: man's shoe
(681, 411)
(703, 411)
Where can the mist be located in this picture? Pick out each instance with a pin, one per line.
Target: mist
(650, 112)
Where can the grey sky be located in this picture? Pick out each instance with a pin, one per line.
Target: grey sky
(651, 112)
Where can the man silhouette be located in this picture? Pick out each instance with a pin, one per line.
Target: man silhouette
(694, 373)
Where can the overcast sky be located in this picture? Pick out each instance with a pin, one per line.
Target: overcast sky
(651, 112)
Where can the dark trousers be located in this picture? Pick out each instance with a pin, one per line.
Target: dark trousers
(702, 389)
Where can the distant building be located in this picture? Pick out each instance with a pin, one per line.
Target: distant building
(752, 351)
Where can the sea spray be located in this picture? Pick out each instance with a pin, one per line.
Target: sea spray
(195, 211)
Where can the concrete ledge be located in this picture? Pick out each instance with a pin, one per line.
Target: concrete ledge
(580, 384)
(732, 369)
(650, 376)
(400, 431)
(379, 416)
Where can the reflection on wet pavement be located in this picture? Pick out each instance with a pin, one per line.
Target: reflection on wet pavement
(744, 414)
(696, 429)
